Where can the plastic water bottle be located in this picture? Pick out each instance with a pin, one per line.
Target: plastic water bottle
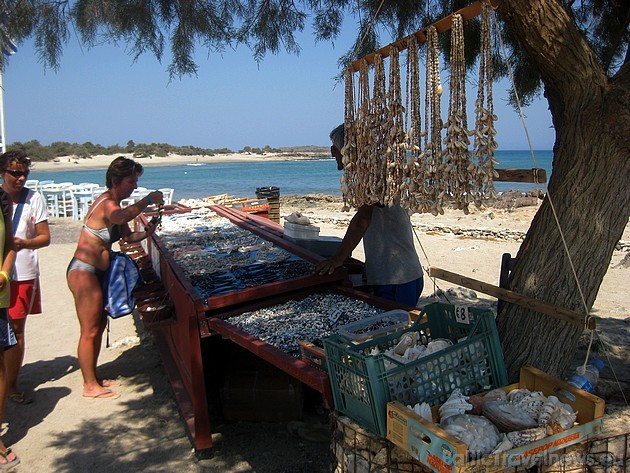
(585, 381)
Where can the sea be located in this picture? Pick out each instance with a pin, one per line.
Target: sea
(299, 177)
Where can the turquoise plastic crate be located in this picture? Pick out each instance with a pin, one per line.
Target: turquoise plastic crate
(362, 386)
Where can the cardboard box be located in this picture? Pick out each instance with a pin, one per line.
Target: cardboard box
(325, 246)
(301, 232)
(443, 453)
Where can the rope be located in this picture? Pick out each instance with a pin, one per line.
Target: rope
(368, 28)
(436, 286)
(531, 149)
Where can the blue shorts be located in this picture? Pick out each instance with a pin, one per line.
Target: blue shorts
(407, 293)
(7, 337)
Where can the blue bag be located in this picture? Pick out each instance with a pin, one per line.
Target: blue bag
(120, 280)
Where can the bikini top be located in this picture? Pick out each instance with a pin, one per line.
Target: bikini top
(107, 235)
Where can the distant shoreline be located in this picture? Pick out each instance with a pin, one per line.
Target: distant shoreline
(103, 161)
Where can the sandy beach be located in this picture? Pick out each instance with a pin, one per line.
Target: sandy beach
(102, 161)
(143, 431)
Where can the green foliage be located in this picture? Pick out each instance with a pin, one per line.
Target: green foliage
(38, 152)
(265, 149)
(269, 26)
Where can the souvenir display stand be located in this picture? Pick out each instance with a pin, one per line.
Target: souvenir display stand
(193, 322)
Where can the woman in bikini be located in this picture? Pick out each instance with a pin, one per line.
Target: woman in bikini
(105, 223)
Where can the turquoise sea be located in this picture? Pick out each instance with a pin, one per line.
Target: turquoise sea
(292, 177)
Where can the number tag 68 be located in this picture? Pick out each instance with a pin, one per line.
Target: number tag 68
(463, 315)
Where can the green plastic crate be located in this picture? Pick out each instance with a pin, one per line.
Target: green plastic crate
(362, 386)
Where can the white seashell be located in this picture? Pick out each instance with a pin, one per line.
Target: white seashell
(408, 340)
(475, 431)
(423, 410)
(563, 417)
(530, 403)
(523, 437)
(454, 405)
(437, 345)
(546, 412)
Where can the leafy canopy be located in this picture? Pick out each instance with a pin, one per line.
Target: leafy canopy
(269, 26)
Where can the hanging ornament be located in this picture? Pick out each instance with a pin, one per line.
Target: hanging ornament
(458, 169)
(395, 152)
(484, 144)
(433, 188)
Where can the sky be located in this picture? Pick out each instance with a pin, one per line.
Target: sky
(102, 96)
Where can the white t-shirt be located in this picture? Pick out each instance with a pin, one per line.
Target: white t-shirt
(33, 212)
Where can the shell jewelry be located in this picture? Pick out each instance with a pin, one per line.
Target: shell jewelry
(388, 158)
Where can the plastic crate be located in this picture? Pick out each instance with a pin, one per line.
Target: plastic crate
(375, 325)
(362, 386)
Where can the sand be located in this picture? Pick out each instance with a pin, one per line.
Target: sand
(101, 161)
(143, 431)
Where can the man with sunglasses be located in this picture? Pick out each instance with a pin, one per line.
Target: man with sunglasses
(31, 232)
(392, 266)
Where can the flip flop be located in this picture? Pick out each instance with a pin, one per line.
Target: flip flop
(20, 398)
(109, 383)
(104, 395)
(8, 464)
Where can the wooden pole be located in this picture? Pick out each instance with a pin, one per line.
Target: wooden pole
(445, 24)
(515, 298)
(535, 175)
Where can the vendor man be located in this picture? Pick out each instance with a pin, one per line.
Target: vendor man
(391, 263)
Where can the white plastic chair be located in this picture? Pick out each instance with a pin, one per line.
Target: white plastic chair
(168, 195)
(32, 184)
(59, 199)
(67, 203)
(51, 192)
(83, 198)
(43, 183)
(97, 191)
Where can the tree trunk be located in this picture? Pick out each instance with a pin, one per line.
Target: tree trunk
(587, 190)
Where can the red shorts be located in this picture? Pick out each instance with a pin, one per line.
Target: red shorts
(26, 298)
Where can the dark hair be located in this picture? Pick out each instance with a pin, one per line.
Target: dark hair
(120, 168)
(336, 136)
(14, 156)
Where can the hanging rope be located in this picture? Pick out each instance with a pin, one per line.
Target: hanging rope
(531, 149)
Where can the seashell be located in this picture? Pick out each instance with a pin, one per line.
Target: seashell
(438, 344)
(515, 395)
(407, 340)
(523, 437)
(496, 395)
(546, 412)
(423, 410)
(563, 417)
(507, 417)
(531, 402)
(456, 404)
(475, 431)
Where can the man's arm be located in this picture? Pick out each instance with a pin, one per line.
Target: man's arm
(357, 228)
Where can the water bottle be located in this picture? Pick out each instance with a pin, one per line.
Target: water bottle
(585, 381)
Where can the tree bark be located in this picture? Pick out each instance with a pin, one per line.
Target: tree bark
(587, 206)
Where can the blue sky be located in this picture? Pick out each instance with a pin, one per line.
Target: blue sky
(101, 95)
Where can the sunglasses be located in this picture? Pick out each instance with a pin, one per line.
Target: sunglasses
(17, 174)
